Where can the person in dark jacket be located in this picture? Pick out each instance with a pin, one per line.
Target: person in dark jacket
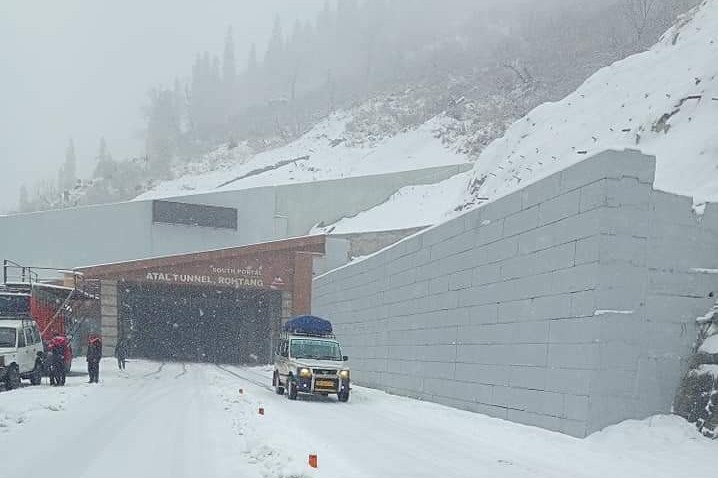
(57, 361)
(94, 354)
(121, 354)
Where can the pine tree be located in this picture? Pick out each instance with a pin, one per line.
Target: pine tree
(163, 132)
(252, 61)
(229, 68)
(69, 170)
(105, 167)
(24, 202)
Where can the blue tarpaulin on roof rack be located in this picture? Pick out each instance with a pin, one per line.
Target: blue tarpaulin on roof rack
(309, 325)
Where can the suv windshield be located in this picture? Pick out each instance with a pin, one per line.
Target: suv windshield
(315, 349)
(7, 337)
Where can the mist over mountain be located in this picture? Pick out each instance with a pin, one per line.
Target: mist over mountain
(391, 65)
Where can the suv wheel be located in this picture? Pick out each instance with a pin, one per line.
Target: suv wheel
(12, 380)
(343, 396)
(36, 375)
(292, 391)
(277, 384)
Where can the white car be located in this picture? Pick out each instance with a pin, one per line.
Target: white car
(21, 353)
(310, 364)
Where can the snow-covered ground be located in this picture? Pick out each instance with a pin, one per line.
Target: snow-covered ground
(178, 420)
(325, 152)
(663, 102)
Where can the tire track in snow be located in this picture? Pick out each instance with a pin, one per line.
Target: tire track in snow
(262, 384)
(183, 372)
(156, 372)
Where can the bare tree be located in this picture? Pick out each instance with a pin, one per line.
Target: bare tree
(639, 14)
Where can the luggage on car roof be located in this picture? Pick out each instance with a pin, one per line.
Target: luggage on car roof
(308, 325)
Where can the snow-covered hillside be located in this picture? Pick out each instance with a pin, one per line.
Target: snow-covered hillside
(663, 102)
(327, 151)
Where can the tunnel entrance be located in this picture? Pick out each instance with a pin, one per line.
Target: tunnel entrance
(224, 305)
(198, 324)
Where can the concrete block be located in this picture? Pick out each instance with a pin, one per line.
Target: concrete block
(583, 304)
(678, 208)
(534, 332)
(532, 355)
(576, 407)
(576, 279)
(440, 233)
(461, 280)
(472, 219)
(528, 377)
(488, 334)
(627, 329)
(593, 196)
(574, 428)
(615, 383)
(536, 401)
(585, 172)
(522, 221)
(497, 251)
(486, 274)
(588, 250)
(501, 395)
(492, 411)
(574, 356)
(489, 231)
(629, 192)
(560, 207)
(583, 330)
(566, 230)
(502, 207)
(402, 278)
(541, 191)
(564, 380)
(485, 374)
(625, 221)
(627, 249)
(484, 314)
(453, 245)
(619, 356)
(439, 285)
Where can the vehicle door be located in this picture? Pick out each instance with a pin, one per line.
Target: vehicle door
(283, 358)
(37, 346)
(25, 360)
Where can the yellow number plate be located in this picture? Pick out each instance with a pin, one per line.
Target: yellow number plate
(325, 383)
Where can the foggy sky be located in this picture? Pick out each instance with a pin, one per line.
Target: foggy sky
(82, 69)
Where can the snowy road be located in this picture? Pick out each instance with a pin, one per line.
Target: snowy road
(191, 421)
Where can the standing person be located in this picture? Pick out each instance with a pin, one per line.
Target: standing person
(94, 354)
(57, 361)
(121, 354)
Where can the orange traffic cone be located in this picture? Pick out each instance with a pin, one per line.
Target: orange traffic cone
(313, 461)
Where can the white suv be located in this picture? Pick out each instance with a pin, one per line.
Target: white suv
(21, 353)
(310, 364)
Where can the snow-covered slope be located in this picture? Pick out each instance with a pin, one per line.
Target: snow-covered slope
(327, 151)
(663, 102)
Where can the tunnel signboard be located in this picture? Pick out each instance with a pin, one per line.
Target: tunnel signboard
(259, 273)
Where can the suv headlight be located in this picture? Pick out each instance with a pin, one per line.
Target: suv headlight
(305, 372)
(344, 374)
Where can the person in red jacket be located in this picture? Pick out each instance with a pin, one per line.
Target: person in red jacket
(94, 355)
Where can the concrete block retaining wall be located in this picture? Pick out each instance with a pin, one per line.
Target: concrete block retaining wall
(568, 305)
